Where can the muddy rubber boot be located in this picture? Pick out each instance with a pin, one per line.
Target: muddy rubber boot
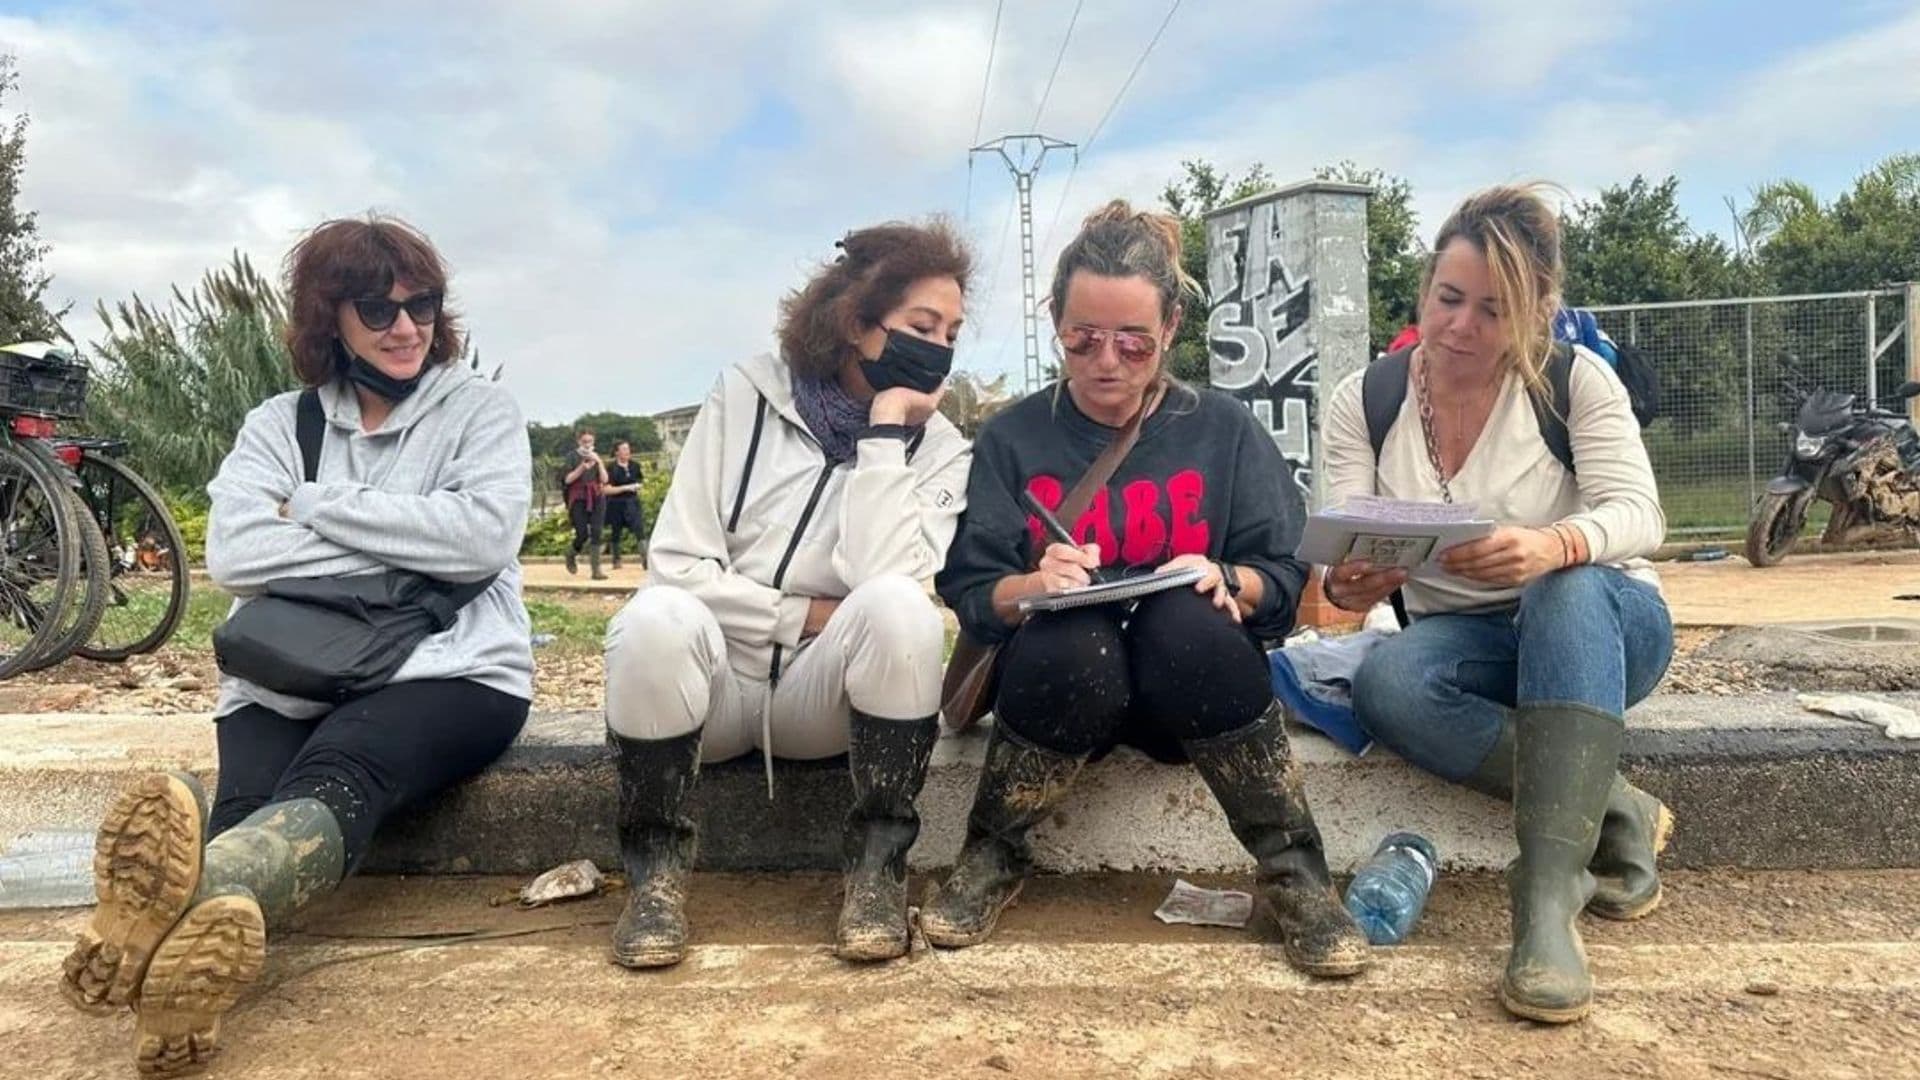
(1634, 832)
(573, 560)
(593, 563)
(253, 876)
(1565, 757)
(1252, 773)
(146, 866)
(656, 846)
(616, 560)
(1020, 784)
(888, 760)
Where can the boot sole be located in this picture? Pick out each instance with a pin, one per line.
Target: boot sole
(216, 952)
(962, 939)
(146, 866)
(1662, 832)
(1542, 1013)
(644, 959)
(870, 950)
(1331, 969)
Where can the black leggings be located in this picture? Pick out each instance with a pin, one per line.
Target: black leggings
(365, 759)
(1088, 679)
(586, 523)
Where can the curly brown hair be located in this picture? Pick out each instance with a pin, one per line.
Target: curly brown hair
(856, 290)
(350, 259)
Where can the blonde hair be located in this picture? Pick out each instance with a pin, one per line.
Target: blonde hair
(1519, 234)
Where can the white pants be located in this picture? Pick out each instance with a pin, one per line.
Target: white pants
(668, 673)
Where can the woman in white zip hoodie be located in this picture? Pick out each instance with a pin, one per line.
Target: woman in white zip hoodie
(784, 608)
(423, 466)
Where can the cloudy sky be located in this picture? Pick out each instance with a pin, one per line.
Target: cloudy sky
(625, 189)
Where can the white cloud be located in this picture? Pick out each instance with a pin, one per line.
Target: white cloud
(615, 241)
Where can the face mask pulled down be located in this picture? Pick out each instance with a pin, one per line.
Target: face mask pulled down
(909, 361)
(361, 373)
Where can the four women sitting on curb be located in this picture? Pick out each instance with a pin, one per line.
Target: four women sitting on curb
(785, 609)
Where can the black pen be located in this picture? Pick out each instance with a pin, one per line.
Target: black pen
(1055, 529)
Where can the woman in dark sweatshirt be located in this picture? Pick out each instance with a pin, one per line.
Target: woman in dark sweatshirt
(1180, 674)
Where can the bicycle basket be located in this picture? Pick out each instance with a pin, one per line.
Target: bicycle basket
(42, 380)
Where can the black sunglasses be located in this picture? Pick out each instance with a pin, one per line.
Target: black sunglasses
(378, 312)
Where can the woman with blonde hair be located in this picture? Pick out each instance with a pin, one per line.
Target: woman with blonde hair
(1522, 656)
(1179, 674)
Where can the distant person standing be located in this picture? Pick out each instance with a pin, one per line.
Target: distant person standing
(584, 479)
(623, 502)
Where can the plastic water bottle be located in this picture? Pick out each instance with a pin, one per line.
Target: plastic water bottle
(48, 869)
(1390, 891)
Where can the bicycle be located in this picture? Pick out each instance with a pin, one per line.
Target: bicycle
(93, 565)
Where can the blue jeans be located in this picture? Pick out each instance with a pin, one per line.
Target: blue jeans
(1437, 692)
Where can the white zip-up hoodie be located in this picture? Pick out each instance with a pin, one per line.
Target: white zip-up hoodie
(757, 523)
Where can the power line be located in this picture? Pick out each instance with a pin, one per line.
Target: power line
(1067, 187)
(1058, 57)
(1138, 64)
(980, 117)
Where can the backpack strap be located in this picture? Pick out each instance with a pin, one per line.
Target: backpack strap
(1383, 390)
(1552, 412)
(309, 430)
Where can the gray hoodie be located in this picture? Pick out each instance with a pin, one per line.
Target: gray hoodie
(441, 488)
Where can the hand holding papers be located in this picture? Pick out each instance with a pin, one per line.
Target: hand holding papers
(1389, 532)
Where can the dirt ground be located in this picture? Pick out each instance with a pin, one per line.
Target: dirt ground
(1778, 975)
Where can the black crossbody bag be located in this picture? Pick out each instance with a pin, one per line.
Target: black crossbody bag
(335, 638)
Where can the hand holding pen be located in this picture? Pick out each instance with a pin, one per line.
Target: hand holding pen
(1064, 564)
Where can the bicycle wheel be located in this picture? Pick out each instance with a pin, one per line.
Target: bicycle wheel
(39, 557)
(147, 558)
(83, 614)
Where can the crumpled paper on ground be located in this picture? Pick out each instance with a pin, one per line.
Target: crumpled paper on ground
(563, 882)
(1195, 906)
(1899, 721)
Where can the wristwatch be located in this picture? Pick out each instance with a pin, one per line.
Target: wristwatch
(1229, 576)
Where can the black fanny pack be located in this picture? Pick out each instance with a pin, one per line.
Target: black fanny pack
(335, 638)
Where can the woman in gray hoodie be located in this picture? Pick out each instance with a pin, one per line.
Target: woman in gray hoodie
(423, 466)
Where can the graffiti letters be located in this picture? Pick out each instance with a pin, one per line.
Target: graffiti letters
(1260, 346)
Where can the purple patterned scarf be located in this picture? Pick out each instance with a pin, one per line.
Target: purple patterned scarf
(832, 414)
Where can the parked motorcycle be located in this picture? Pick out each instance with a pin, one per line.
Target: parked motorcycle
(1863, 460)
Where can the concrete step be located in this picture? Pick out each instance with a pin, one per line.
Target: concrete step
(1754, 781)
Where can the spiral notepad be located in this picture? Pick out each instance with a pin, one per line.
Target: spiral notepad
(1113, 592)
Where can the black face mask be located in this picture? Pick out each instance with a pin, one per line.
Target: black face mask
(361, 373)
(909, 361)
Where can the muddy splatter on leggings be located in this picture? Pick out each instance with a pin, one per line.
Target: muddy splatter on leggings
(1174, 668)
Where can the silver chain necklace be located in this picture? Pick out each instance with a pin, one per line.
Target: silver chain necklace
(1425, 401)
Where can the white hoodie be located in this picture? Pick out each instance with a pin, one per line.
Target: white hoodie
(441, 487)
(757, 522)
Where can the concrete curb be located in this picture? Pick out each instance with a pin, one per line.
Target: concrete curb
(1754, 781)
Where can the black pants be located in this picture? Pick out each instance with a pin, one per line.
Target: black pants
(586, 523)
(365, 759)
(1175, 668)
(625, 513)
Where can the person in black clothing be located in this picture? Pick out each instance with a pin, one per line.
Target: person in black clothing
(622, 490)
(583, 476)
(1180, 674)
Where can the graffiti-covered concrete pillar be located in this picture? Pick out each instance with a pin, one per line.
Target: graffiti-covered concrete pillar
(1287, 308)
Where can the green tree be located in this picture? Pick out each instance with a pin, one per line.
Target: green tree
(23, 282)
(1868, 238)
(1200, 189)
(1396, 257)
(177, 381)
(1632, 245)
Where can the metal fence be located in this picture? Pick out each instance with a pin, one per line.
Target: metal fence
(1726, 368)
